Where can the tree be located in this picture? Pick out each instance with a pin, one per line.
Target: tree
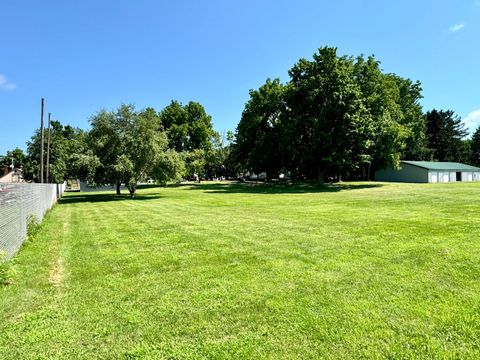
(15, 157)
(131, 148)
(84, 165)
(189, 129)
(444, 134)
(105, 141)
(195, 162)
(411, 118)
(329, 124)
(475, 148)
(337, 116)
(221, 161)
(67, 142)
(258, 132)
(381, 96)
(464, 151)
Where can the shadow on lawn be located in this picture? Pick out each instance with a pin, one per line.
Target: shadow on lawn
(94, 198)
(269, 188)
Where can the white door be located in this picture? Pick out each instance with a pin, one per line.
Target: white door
(434, 178)
(470, 177)
(446, 177)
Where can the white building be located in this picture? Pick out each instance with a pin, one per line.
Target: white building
(429, 172)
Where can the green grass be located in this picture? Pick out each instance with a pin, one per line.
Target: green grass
(360, 270)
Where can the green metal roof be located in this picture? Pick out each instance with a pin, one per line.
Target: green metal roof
(438, 165)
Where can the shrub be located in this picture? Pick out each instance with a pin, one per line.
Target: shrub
(33, 227)
(5, 269)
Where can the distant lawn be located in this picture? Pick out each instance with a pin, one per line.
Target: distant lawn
(251, 271)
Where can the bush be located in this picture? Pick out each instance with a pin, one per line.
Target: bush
(33, 227)
(5, 269)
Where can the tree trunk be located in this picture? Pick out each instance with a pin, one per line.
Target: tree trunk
(320, 175)
(118, 187)
(132, 189)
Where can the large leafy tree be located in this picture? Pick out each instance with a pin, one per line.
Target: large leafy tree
(15, 157)
(131, 148)
(410, 94)
(190, 132)
(336, 116)
(444, 134)
(67, 143)
(259, 130)
(105, 141)
(189, 127)
(381, 96)
(331, 125)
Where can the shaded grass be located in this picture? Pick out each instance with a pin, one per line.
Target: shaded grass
(251, 271)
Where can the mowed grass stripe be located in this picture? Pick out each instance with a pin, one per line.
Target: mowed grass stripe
(242, 271)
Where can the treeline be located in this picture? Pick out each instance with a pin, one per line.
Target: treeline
(343, 117)
(338, 117)
(126, 146)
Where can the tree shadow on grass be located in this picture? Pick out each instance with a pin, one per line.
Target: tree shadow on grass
(95, 198)
(272, 188)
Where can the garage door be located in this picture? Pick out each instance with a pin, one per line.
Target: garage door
(434, 178)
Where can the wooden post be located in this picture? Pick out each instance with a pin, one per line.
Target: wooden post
(48, 148)
(42, 140)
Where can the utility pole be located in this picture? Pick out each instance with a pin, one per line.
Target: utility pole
(42, 140)
(48, 149)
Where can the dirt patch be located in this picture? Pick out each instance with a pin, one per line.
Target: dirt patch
(57, 273)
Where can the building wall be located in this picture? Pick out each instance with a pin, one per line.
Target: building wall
(441, 176)
(453, 176)
(467, 176)
(8, 178)
(407, 173)
(415, 174)
(444, 176)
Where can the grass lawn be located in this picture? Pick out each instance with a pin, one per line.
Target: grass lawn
(359, 270)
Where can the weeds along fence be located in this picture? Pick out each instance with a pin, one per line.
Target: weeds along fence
(19, 203)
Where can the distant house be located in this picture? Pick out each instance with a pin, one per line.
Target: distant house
(11, 176)
(429, 172)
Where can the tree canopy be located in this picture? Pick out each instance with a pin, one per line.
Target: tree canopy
(130, 147)
(16, 157)
(67, 143)
(444, 134)
(336, 117)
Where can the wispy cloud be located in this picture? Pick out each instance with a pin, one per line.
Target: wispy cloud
(472, 120)
(477, 3)
(457, 27)
(5, 84)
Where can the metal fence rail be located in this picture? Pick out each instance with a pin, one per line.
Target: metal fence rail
(18, 203)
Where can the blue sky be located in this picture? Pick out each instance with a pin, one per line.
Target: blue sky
(86, 55)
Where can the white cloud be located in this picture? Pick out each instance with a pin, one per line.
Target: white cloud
(472, 120)
(457, 27)
(5, 84)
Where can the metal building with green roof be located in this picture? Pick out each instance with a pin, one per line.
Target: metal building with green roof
(429, 172)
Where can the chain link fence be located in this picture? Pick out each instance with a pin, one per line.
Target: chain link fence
(20, 202)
